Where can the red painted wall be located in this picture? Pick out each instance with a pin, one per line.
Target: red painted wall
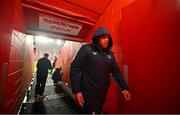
(150, 49)
(15, 69)
(65, 58)
(5, 39)
(13, 46)
(145, 39)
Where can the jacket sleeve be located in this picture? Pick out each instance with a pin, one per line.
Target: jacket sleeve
(116, 73)
(75, 69)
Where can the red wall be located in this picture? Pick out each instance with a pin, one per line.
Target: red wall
(150, 49)
(5, 37)
(145, 40)
(65, 58)
(13, 46)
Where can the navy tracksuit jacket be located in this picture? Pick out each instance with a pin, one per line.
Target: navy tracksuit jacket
(90, 70)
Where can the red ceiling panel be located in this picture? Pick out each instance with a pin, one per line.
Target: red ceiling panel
(96, 6)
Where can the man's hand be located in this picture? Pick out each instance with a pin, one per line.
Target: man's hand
(126, 95)
(79, 99)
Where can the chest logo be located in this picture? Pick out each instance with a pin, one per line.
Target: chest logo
(95, 53)
(109, 56)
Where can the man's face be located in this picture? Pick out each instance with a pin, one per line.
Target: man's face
(103, 41)
(46, 56)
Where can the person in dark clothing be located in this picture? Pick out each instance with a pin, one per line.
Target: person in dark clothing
(57, 75)
(90, 72)
(43, 65)
(53, 64)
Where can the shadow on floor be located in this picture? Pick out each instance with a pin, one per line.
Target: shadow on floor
(38, 108)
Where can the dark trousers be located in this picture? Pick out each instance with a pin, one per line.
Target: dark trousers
(93, 105)
(40, 84)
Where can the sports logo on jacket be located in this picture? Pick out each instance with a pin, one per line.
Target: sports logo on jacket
(95, 53)
(109, 56)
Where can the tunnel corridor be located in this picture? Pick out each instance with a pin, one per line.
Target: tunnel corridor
(146, 44)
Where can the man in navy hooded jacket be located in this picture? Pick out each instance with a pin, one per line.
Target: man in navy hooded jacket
(90, 72)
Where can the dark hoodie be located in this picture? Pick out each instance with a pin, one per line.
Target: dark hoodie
(90, 70)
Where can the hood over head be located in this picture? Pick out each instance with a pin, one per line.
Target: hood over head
(99, 32)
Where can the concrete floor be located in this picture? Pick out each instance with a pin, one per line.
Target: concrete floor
(56, 101)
